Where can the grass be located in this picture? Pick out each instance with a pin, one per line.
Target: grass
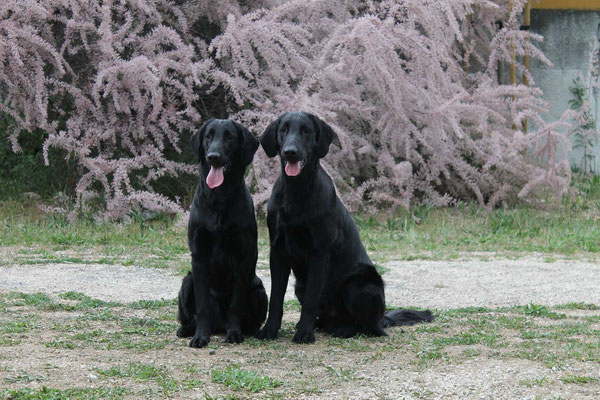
(239, 379)
(579, 380)
(421, 232)
(56, 394)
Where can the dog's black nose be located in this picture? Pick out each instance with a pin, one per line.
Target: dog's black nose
(290, 151)
(213, 157)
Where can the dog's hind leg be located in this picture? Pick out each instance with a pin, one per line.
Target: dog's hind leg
(361, 304)
(186, 307)
(256, 310)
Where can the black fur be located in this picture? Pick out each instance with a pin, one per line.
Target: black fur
(313, 235)
(222, 293)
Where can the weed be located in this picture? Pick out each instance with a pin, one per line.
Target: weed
(537, 310)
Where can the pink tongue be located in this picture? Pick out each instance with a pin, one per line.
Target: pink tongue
(215, 177)
(292, 168)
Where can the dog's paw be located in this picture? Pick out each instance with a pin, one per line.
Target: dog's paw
(267, 333)
(185, 331)
(234, 337)
(199, 341)
(303, 336)
(344, 331)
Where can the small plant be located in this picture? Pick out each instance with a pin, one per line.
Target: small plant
(585, 133)
(537, 310)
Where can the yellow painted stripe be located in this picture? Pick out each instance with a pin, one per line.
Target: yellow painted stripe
(566, 4)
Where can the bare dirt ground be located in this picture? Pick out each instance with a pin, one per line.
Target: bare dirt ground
(352, 369)
(420, 283)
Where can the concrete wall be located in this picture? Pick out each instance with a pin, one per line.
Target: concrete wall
(568, 41)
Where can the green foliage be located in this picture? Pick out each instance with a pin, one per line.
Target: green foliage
(585, 132)
(25, 171)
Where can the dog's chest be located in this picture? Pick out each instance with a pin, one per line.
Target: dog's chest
(219, 246)
(298, 241)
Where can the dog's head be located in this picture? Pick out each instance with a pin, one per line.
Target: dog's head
(223, 145)
(299, 138)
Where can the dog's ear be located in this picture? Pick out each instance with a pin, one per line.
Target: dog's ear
(196, 140)
(268, 139)
(325, 135)
(248, 144)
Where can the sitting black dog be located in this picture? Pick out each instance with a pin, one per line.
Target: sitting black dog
(312, 233)
(222, 293)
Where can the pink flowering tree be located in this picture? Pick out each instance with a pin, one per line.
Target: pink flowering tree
(410, 87)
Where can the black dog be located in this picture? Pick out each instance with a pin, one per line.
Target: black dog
(312, 233)
(222, 293)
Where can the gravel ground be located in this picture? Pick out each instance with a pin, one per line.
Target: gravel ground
(432, 284)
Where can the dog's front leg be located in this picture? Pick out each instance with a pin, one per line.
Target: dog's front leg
(200, 277)
(317, 274)
(280, 273)
(234, 314)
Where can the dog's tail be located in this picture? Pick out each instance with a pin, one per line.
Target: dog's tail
(405, 317)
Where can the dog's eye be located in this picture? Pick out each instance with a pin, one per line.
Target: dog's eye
(209, 135)
(228, 136)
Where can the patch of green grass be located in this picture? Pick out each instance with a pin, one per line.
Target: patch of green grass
(153, 304)
(21, 325)
(60, 344)
(341, 373)
(104, 314)
(578, 306)
(466, 339)
(39, 299)
(355, 344)
(420, 232)
(534, 382)
(428, 354)
(580, 380)
(86, 301)
(23, 377)
(146, 326)
(71, 295)
(86, 335)
(142, 372)
(227, 397)
(72, 394)
(238, 379)
(470, 353)
(537, 310)
(118, 341)
(6, 341)
(292, 305)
